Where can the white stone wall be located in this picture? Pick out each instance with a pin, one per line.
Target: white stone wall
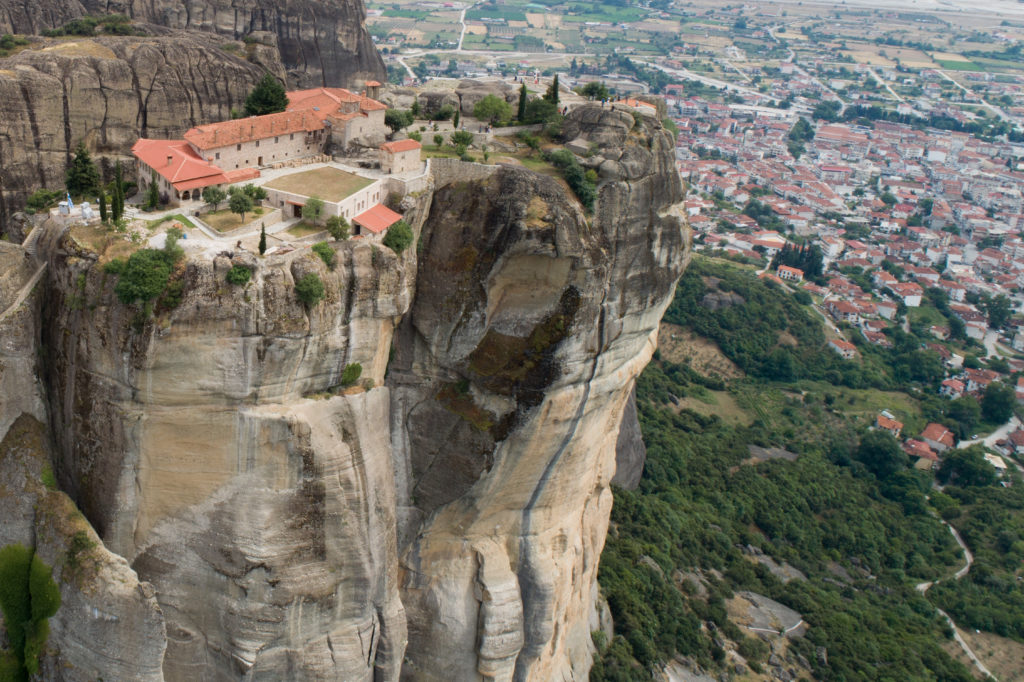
(350, 206)
(265, 152)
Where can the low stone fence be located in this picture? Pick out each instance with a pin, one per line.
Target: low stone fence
(448, 171)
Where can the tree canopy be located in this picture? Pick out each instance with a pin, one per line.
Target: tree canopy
(268, 97)
(82, 178)
(492, 109)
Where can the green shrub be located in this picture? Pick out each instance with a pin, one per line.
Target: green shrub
(310, 289)
(239, 275)
(144, 277)
(399, 237)
(28, 597)
(43, 199)
(115, 266)
(326, 253)
(582, 184)
(338, 227)
(351, 373)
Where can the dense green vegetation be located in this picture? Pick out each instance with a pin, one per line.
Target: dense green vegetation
(990, 520)
(28, 597)
(582, 183)
(848, 512)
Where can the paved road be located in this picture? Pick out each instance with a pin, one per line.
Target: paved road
(462, 20)
(999, 434)
(994, 109)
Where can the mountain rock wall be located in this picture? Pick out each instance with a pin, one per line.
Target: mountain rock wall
(321, 42)
(441, 519)
(511, 374)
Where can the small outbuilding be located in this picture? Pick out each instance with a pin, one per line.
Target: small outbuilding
(400, 156)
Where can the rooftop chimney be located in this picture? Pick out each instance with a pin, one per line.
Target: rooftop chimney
(170, 159)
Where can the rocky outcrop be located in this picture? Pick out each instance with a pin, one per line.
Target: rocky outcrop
(630, 451)
(109, 624)
(321, 42)
(509, 381)
(456, 499)
(470, 91)
(107, 92)
(214, 449)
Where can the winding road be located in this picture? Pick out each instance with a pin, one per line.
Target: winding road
(964, 570)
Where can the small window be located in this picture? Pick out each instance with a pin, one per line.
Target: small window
(292, 136)
(238, 147)
(217, 155)
(257, 143)
(275, 140)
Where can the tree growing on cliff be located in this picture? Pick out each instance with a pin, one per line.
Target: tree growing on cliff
(263, 239)
(268, 97)
(399, 237)
(310, 289)
(82, 178)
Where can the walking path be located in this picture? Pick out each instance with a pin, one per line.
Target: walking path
(923, 588)
(23, 293)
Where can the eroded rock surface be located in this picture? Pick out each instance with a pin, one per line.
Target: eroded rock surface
(510, 378)
(441, 519)
(321, 42)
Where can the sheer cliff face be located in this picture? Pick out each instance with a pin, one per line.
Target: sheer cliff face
(444, 519)
(107, 92)
(322, 42)
(513, 367)
(209, 450)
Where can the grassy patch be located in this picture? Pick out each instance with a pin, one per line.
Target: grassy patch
(224, 220)
(153, 224)
(304, 229)
(958, 65)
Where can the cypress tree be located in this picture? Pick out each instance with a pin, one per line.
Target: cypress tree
(263, 239)
(521, 113)
(103, 206)
(552, 94)
(117, 201)
(153, 195)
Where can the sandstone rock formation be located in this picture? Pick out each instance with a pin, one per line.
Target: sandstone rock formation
(510, 378)
(471, 91)
(441, 520)
(321, 42)
(107, 92)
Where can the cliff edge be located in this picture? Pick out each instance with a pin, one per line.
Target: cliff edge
(440, 518)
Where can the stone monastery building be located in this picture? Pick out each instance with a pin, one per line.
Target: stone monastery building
(233, 151)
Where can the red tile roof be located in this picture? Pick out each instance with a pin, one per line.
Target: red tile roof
(225, 133)
(401, 146)
(377, 218)
(178, 163)
(938, 433)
